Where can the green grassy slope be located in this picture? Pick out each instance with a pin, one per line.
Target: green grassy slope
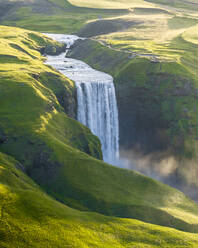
(57, 16)
(30, 218)
(36, 131)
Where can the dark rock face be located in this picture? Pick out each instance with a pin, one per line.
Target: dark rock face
(3, 137)
(105, 26)
(140, 120)
(53, 50)
(69, 102)
(65, 93)
(156, 113)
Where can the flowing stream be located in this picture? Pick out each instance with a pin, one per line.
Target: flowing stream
(97, 106)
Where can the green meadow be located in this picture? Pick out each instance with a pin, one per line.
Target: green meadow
(55, 190)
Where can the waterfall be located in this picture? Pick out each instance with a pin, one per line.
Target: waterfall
(97, 105)
(97, 109)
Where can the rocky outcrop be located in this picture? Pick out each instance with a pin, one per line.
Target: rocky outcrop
(53, 50)
(65, 93)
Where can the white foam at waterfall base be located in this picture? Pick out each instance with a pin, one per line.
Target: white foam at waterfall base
(97, 106)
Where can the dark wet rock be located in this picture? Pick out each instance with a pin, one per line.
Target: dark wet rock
(20, 166)
(68, 102)
(53, 50)
(3, 136)
(65, 93)
(35, 76)
(3, 139)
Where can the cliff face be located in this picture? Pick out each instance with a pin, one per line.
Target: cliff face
(152, 98)
(157, 110)
(154, 101)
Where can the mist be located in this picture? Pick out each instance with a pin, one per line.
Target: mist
(165, 168)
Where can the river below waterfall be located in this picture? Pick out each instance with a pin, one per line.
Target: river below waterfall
(97, 105)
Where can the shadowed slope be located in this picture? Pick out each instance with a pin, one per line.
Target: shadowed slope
(30, 218)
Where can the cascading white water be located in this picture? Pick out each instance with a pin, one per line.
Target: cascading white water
(97, 110)
(97, 106)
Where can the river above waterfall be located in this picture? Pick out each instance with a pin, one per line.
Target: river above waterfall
(97, 105)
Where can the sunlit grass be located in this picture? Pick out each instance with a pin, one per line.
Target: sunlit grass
(109, 4)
